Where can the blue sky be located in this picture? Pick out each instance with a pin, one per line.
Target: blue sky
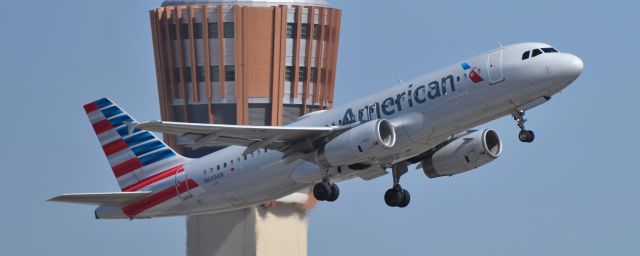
(573, 191)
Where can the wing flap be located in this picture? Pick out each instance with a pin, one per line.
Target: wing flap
(109, 198)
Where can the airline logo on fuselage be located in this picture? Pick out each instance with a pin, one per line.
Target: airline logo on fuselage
(473, 75)
(405, 100)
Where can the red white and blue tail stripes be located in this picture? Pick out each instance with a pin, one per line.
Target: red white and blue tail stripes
(137, 158)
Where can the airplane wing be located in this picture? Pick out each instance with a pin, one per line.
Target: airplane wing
(112, 198)
(286, 139)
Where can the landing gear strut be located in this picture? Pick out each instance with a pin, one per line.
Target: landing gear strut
(397, 196)
(524, 135)
(326, 191)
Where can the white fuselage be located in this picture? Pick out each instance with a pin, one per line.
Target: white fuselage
(425, 112)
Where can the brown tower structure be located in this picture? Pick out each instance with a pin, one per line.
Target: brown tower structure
(243, 61)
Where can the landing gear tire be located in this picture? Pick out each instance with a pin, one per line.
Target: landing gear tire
(526, 136)
(397, 197)
(322, 191)
(326, 191)
(406, 198)
(392, 197)
(335, 193)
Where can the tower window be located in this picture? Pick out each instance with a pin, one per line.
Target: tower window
(304, 31)
(197, 30)
(186, 73)
(214, 73)
(288, 73)
(200, 73)
(302, 74)
(291, 30)
(213, 30)
(229, 73)
(228, 30)
(172, 32)
(184, 31)
(316, 31)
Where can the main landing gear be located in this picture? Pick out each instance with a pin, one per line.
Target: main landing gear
(326, 191)
(397, 196)
(524, 135)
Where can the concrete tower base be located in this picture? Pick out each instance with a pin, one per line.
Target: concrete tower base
(256, 231)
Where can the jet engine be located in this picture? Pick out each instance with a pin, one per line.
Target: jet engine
(463, 154)
(359, 144)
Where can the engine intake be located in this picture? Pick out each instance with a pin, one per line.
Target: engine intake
(463, 154)
(359, 144)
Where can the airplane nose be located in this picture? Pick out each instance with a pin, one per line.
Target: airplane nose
(574, 66)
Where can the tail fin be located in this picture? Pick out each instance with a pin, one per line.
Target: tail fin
(137, 157)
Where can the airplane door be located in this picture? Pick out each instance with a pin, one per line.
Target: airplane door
(494, 67)
(181, 184)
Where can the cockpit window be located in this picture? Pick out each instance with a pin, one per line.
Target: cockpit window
(535, 52)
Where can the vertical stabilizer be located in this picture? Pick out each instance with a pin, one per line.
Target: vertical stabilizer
(137, 157)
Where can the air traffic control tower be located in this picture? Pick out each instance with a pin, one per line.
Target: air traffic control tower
(256, 62)
(253, 62)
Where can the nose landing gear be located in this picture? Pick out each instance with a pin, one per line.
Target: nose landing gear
(326, 191)
(524, 135)
(397, 196)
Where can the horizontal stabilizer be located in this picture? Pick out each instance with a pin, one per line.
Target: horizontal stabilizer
(109, 198)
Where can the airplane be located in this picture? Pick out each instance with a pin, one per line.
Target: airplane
(427, 120)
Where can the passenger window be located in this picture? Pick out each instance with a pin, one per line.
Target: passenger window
(218, 167)
(525, 55)
(225, 165)
(535, 52)
(231, 162)
(548, 50)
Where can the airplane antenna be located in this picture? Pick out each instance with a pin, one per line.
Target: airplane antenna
(499, 44)
(400, 80)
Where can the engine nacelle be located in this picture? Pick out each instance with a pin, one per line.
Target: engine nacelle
(463, 154)
(359, 144)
